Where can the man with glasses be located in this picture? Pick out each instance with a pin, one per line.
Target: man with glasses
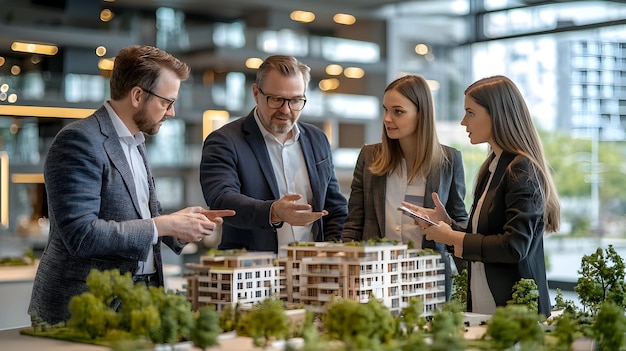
(102, 203)
(276, 172)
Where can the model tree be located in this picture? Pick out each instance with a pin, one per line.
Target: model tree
(176, 319)
(602, 279)
(90, 315)
(565, 331)
(609, 326)
(385, 327)
(266, 321)
(560, 303)
(447, 328)
(514, 324)
(412, 316)
(206, 328)
(229, 317)
(459, 286)
(525, 293)
(360, 326)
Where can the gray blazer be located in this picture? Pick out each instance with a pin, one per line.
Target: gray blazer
(95, 220)
(366, 206)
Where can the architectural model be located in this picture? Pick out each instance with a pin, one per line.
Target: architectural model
(312, 274)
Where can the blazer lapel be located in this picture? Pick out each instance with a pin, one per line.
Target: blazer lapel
(257, 144)
(116, 154)
(498, 174)
(433, 185)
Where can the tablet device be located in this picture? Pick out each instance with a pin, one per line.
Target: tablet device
(410, 213)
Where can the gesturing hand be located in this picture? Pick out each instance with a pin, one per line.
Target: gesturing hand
(286, 209)
(437, 214)
(216, 215)
(191, 223)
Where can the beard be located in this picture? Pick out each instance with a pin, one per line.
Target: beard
(274, 127)
(144, 123)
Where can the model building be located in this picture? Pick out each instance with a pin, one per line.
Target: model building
(311, 274)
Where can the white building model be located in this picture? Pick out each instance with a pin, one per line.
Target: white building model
(311, 274)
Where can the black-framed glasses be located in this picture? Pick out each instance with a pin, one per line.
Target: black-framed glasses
(276, 102)
(171, 101)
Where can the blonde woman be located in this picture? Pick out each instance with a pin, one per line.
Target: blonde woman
(515, 200)
(408, 165)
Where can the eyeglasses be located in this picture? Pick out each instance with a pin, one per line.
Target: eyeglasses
(276, 102)
(171, 101)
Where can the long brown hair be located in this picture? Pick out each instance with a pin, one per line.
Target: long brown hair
(430, 154)
(514, 132)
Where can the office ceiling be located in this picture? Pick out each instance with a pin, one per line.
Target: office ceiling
(241, 8)
(323, 9)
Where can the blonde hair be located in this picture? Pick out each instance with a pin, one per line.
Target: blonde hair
(286, 65)
(430, 155)
(514, 131)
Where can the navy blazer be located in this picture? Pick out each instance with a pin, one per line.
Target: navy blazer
(236, 173)
(511, 228)
(95, 220)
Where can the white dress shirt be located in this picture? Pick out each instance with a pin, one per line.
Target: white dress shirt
(397, 225)
(130, 145)
(292, 177)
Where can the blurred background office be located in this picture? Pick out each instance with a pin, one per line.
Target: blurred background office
(568, 57)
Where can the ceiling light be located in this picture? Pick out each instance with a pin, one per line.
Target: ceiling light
(34, 48)
(354, 72)
(334, 70)
(421, 49)
(106, 15)
(302, 16)
(254, 62)
(329, 84)
(344, 18)
(106, 64)
(101, 51)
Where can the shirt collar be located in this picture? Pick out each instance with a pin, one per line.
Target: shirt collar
(122, 131)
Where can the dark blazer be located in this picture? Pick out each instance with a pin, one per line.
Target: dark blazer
(511, 228)
(236, 173)
(95, 220)
(366, 206)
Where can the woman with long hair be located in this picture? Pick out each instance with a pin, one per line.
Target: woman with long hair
(407, 165)
(515, 200)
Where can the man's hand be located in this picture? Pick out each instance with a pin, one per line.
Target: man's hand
(216, 215)
(189, 224)
(286, 209)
